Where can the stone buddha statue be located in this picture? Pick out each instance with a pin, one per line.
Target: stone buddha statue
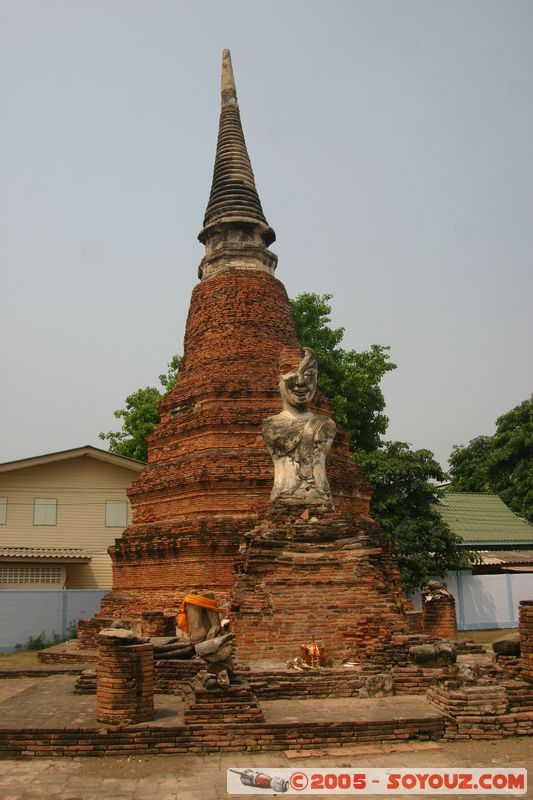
(298, 439)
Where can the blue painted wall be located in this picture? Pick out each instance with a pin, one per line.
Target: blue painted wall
(30, 613)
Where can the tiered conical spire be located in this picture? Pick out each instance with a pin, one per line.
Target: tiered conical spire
(233, 195)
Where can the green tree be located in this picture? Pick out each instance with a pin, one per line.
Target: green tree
(404, 505)
(502, 463)
(140, 416)
(511, 459)
(351, 380)
(404, 479)
(469, 466)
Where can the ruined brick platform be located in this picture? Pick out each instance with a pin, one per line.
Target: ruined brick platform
(46, 720)
(43, 717)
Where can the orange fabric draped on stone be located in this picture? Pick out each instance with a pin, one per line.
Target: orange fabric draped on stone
(194, 600)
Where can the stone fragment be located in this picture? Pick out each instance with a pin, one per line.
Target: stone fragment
(439, 654)
(122, 634)
(507, 645)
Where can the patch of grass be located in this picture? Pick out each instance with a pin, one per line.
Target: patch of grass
(44, 640)
(485, 636)
(20, 658)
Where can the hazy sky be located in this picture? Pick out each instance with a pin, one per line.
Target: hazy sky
(391, 144)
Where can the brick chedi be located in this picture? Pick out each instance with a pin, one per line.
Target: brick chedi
(208, 472)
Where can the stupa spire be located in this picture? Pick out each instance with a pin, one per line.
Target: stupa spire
(227, 81)
(233, 200)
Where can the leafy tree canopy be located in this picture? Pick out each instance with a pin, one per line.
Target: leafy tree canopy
(404, 479)
(351, 380)
(502, 463)
(469, 466)
(140, 416)
(404, 504)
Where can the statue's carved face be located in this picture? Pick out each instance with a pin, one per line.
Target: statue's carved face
(298, 387)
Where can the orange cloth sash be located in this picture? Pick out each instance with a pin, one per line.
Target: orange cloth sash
(194, 600)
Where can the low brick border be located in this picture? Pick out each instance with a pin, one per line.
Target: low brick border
(210, 737)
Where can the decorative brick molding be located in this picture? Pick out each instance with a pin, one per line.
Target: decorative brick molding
(125, 682)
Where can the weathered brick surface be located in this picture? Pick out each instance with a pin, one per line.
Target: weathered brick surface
(171, 676)
(211, 737)
(72, 655)
(235, 704)
(329, 576)
(519, 694)
(490, 708)
(177, 677)
(511, 666)
(156, 623)
(87, 634)
(412, 679)
(526, 639)
(468, 701)
(271, 684)
(124, 682)
(86, 682)
(440, 618)
(415, 621)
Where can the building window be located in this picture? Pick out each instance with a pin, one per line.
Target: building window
(3, 510)
(30, 573)
(116, 513)
(44, 511)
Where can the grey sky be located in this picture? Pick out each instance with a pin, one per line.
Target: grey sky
(391, 144)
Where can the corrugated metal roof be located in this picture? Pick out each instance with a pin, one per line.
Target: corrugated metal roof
(502, 557)
(64, 553)
(483, 518)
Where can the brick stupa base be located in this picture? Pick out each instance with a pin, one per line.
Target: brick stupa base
(315, 573)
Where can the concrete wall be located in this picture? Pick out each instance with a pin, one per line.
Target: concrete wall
(30, 613)
(486, 601)
(489, 601)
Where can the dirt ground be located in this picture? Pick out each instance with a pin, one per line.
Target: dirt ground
(198, 777)
(484, 637)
